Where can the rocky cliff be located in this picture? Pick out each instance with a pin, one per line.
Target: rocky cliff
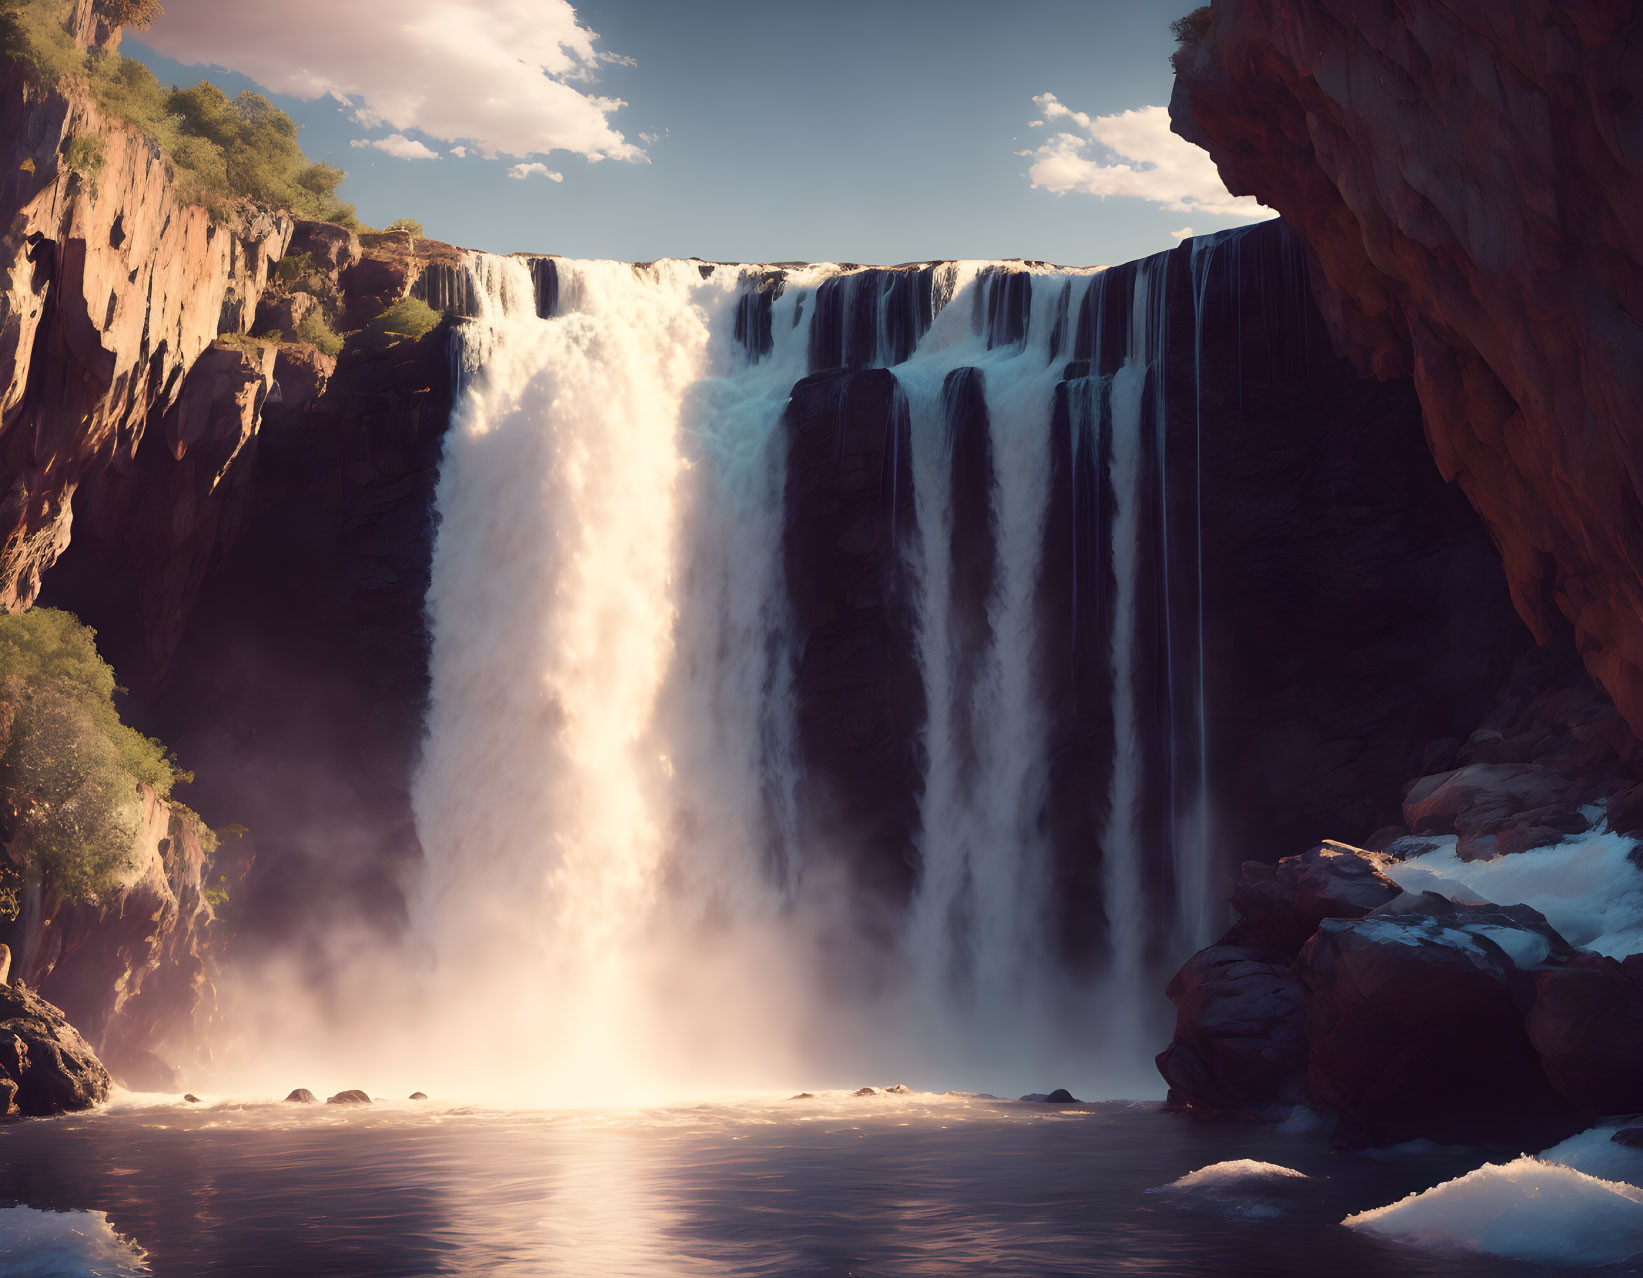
(114, 288)
(1466, 178)
(134, 968)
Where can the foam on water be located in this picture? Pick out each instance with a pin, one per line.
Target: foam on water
(1526, 1209)
(65, 1244)
(1588, 886)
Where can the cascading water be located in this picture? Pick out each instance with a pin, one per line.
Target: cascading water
(708, 814)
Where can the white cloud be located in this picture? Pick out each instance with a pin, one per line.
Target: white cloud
(461, 152)
(520, 172)
(1182, 233)
(399, 146)
(1132, 153)
(498, 75)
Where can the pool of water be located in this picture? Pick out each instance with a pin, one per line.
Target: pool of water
(883, 1185)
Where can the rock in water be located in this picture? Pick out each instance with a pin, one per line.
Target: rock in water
(419, 1095)
(803, 1096)
(302, 1096)
(864, 1091)
(191, 1099)
(45, 1066)
(1060, 1096)
(351, 1097)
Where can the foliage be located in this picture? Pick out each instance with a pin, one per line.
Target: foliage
(35, 32)
(313, 329)
(292, 268)
(70, 771)
(222, 148)
(84, 155)
(1190, 32)
(130, 13)
(409, 225)
(408, 317)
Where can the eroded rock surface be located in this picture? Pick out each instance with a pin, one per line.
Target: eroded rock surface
(46, 1067)
(1466, 176)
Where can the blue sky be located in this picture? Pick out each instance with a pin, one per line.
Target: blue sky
(753, 130)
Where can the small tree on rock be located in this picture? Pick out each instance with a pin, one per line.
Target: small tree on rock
(130, 13)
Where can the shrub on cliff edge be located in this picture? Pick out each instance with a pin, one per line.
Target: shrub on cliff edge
(408, 317)
(70, 770)
(221, 148)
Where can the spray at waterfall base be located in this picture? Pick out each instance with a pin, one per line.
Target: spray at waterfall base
(681, 834)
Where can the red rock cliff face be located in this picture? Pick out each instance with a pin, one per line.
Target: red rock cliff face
(1468, 178)
(111, 289)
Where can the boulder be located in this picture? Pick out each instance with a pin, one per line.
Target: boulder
(191, 1099)
(284, 314)
(1495, 808)
(301, 1096)
(419, 1096)
(301, 374)
(1587, 1024)
(1240, 1032)
(864, 1091)
(51, 1069)
(351, 1097)
(1415, 1026)
(1280, 906)
(1060, 1096)
(333, 248)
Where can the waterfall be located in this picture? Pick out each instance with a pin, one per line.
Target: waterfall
(811, 689)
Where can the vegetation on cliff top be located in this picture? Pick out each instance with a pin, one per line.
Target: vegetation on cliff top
(222, 148)
(70, 770)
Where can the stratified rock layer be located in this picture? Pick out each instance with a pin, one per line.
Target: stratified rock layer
(110, 289)
(1467, 177)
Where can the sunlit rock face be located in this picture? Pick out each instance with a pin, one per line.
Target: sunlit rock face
(112, 289)
(133, 969)
(1466, 178)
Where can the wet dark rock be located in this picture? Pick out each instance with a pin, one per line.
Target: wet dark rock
(301, 1096)
(1240, 1032)
(191, 1099)
(47, 1066)
(1415, 1027)
(1587, 1024)
(1060, 1096)
(859, 701)
(419, 1096)
(1280, 906)
(351, 1097)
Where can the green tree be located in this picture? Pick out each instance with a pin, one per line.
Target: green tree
(70, 771)
(130, 13)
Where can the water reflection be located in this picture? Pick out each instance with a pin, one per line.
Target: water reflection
(887, 1185)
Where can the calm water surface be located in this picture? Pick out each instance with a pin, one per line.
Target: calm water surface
(888, 1185)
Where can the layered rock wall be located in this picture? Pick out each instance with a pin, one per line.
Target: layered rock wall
(113, 289)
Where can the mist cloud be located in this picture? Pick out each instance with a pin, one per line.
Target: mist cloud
(505, 77)
(1132, 153)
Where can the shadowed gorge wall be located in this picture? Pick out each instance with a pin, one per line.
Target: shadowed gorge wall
(1466, 178)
